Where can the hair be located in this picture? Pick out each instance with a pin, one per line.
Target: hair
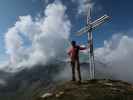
(73, 43)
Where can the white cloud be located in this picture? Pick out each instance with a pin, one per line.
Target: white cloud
(84, 5)
(47, 35)
(13, 43)
(118, 54)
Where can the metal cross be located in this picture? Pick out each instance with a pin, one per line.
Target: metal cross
(89, 28)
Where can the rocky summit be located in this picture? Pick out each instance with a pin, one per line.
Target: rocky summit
(90, 90)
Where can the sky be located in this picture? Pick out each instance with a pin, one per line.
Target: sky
(120, 12)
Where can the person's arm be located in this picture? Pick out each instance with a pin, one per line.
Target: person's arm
(82, 48)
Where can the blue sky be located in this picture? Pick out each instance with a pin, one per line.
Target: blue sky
(119, 10)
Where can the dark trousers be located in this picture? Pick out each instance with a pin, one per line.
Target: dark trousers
(75, 65)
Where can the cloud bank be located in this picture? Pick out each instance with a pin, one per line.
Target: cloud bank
(47, 36)
(117, 54)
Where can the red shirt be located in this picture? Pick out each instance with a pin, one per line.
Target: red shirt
(74, 52)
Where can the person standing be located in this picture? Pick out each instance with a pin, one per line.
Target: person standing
(73, 53)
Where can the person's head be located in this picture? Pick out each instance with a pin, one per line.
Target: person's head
(73, 43)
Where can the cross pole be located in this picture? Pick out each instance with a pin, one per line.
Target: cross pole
(89, 28)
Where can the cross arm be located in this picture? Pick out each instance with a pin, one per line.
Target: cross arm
(82, 30)
(100, 21)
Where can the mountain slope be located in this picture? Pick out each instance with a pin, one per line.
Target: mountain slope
(91, 90)
(23, 84)
(30, 83)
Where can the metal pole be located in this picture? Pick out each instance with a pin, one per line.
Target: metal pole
(92, 57)
(92, 54)
(93, 66)
(90, 41)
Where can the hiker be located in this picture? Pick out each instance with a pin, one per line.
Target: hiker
(74, 56)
